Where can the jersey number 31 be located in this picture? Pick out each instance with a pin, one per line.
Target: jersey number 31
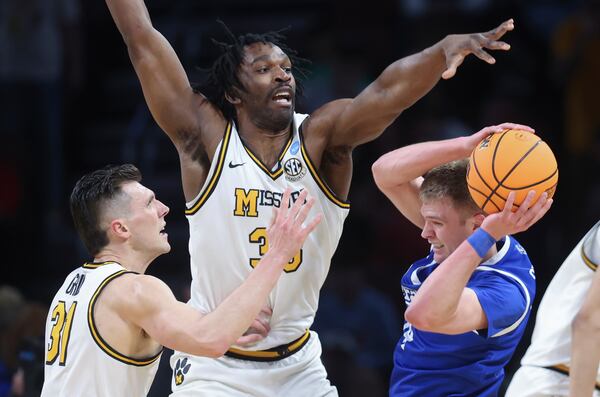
(59, 335)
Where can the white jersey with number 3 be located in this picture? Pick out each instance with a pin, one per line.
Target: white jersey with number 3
(228, 221)
(78, 361)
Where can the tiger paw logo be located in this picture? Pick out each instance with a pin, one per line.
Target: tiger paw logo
(181, 368)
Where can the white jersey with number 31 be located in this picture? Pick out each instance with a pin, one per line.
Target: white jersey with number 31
(78, 360)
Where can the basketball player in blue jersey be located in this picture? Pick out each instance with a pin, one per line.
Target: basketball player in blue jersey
(469, 299)
(240, 144)
(108, 321)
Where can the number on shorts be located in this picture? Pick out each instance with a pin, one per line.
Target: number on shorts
(259, 236)
(59, 335)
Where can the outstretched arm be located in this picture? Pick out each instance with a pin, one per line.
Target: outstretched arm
(176, 325)
(405, 81)
(585, 350)
(190, 120)
(398, 173)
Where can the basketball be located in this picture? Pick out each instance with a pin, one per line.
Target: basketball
(512, 160)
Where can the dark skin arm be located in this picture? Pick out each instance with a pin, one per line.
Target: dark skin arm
(337, 127)
(192, 123)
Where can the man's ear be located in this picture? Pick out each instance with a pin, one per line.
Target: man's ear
(478, 220)
(232, 100)
(119, 229)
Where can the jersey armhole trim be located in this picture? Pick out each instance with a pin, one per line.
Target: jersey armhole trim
(324, 188)
(522, 285)
(210, 187)
(105, 347)
(589, 263)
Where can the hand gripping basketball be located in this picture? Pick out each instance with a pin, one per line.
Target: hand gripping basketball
(512, 159)
(508, 222)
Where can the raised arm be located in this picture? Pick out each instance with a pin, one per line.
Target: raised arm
(585, 349)
(398, 173)
(190, 120)
(178, 326)
(404, 82)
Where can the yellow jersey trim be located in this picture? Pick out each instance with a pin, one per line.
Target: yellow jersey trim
(324, 188)
(95, 265)
(277, 173)
(274, 354)
(215, 177)
(101, 342)
(587, 260)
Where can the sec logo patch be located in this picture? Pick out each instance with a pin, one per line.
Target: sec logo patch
(294, 170)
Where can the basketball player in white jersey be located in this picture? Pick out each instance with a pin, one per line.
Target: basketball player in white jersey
(564, 354)
(108, 321)
(240, 144)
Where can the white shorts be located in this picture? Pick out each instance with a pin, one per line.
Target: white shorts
(302, 374)
(530, 381)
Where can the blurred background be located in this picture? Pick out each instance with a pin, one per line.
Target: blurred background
(70, 103)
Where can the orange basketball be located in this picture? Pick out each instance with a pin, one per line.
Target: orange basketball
(513, 160)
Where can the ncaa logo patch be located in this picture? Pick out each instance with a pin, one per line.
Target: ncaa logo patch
(294, 170)
(181, 368)
(295, 147)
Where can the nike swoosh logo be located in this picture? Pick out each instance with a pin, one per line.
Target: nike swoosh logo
(231, 165)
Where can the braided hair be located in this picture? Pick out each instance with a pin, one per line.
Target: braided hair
(222, 77)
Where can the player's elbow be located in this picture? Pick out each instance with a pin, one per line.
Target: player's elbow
(421, 319)
(379, 171)
(212, 347)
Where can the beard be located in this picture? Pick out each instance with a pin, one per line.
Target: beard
(274, 120)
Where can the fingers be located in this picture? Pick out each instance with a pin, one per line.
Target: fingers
(514, 126)
(539, 209)
(283, 210)
(250, 339)
(312, 225)
(484, 56)
(454, 63)
(267, 310)
(510, 200)
(304, 210)
(523, 213)
(299, 205)
(497, 33)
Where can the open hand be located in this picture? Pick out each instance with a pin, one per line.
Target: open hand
(457, 46)
(287, 231)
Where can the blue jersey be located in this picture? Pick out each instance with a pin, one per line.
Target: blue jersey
(470, 364)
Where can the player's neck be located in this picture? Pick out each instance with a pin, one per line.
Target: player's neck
(265, 144)
(129, 259)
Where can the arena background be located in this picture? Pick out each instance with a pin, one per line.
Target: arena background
(71, 102)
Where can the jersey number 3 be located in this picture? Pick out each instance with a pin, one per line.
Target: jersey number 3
(259, 236)
(59, 335)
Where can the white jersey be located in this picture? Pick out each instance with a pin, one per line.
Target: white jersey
(79, 362)
(551, 339)
(228, 221)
